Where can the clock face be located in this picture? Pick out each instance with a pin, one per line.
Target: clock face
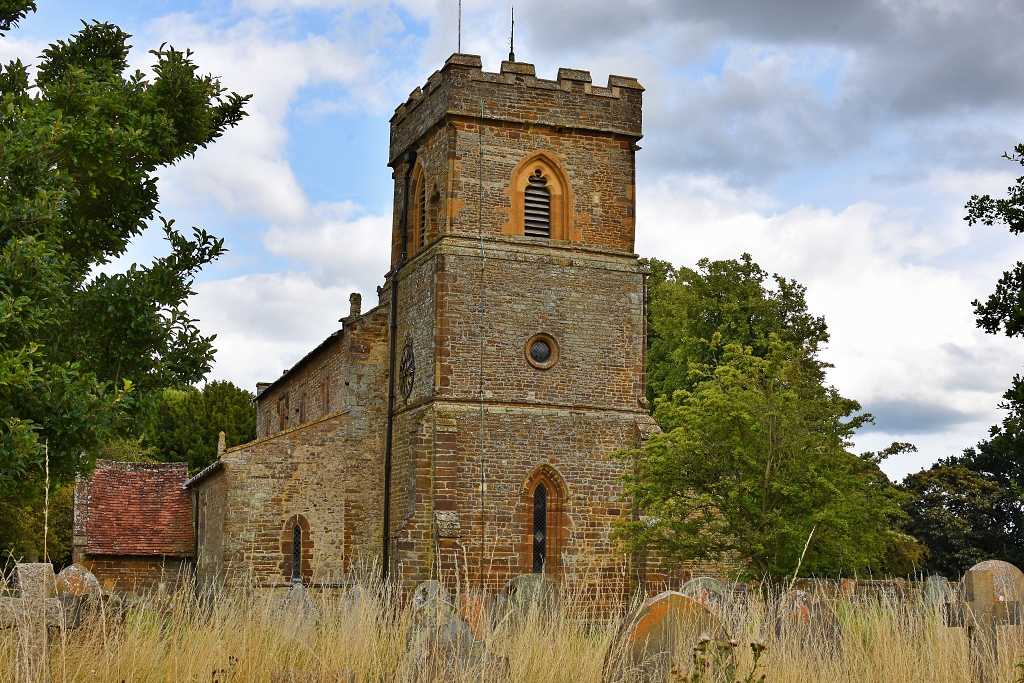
(407, 371)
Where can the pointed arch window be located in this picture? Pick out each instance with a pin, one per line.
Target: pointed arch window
(541, 200)
(421, 208)
(297, 554)
(296, 550)
(540, 528)
(544, 531)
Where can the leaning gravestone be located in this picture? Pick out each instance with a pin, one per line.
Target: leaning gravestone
(937, 592)
(660, 633)
(803, 620)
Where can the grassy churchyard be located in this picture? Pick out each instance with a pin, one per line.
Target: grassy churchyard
(893, 632)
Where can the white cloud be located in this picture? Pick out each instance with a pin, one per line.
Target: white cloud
(247, 171)
(266, 322)
(903, 333)
(336, 244)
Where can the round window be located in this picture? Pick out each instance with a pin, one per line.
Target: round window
(541, 351)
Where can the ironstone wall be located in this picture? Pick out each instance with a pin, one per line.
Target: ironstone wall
(470, 298)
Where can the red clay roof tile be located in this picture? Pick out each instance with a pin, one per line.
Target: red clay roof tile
(139, 509)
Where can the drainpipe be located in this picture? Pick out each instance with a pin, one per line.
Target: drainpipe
(409, 158)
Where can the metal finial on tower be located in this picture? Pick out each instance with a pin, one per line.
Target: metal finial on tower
(459, 50)
(512, 38)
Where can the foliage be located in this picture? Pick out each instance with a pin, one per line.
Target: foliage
(754, 465)
(1004, 309)
(693, 314)
(960, 514)
(84, 353)
(187, 422)
(969, 507)
(715, 660)
(127, 449)
(21, 527)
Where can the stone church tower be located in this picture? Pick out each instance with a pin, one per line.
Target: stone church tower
(462, 427)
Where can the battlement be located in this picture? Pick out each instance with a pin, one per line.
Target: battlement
(515, 95)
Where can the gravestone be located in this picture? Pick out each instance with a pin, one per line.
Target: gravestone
(989, 596)
(937, 592)
(427, 591)
(1008, 580)
(77, 580)
(528, 593)
(660, 633)
(801, 619)
(35, 614)
(709, 592)
(299, 613)
(438, 641)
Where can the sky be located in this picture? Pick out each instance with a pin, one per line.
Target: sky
(836, 141)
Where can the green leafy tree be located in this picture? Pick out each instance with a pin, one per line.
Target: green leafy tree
(960, 514)
(187, 422)
(756, 462)
(83, 355)
(693, 314)
(985, 483)
(21, 528)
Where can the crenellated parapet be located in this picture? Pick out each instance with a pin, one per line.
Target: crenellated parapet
(515, 95)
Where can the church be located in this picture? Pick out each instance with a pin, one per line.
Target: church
(461, 427)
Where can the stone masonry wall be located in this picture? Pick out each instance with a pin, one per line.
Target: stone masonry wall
(136, 574)
(211, 501)
(327, 470)
(343, 373)
(480, 425)
(437, 501)
(474, 295)
(589, 132)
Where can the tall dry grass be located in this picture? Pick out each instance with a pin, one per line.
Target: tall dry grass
(242, 636)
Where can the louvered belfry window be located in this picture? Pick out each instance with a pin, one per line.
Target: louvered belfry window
(421, 204)
(537, 207)
(540, 528)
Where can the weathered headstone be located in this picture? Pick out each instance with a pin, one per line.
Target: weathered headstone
(299, 611)
(528, 593)
(656, 635)
(989, 596)
(803, 620)
(34, 581)
(439, 641)
(1008, 580)
(427, 591)
(709, 592)
(937, 592)
(77, 580)
(35, 614)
